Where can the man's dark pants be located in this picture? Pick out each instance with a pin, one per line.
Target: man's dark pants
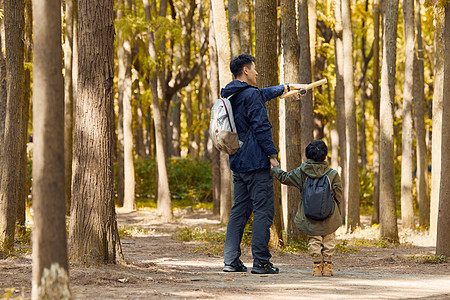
(253, 192)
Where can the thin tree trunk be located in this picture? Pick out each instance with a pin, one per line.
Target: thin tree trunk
(223, 54)
(68, 100)
(419, 126)
(307, 115)
(265, 54)
(407, 207)
(312, 26)
(351, 181)
(139, 133)
(245, 26)
(437, 117)
(93, 176)
(14, 124)
(388, 215)
(339, 96)
(176, 126)
(376, 114)
(50, 266)
(233, 21)
(443, 234)
(214, 84)
(290, 146)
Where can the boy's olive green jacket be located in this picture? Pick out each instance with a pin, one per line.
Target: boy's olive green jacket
(297, 178)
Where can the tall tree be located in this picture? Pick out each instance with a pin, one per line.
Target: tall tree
(376, 113)
(223, 54)
(124, 59)
(388, 215)
(351, 188)
(93, 175)
(214, 90)
(163, 193)
(419, 114)
(307, 111)
(235, 36)
(265, 53)
(245, 26)
(50, 266)
(437, 116)
(14, 141)
(339, 93)
(407, 208)
(290, 145)
(443, 234)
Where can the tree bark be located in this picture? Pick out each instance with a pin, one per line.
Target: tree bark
(245, 26)
(307, 112)
(120, 93)
(351, 187)
(419, 114)
(265, 53)
(407, 208)
(290, 134)
(388, 215)
(93, 175)
(14, 143)
(376, 113)
(50, 266)
(223, 54)
(68, 101)
(214, 85)
(443, 234)
(233, 21)
(339, 96)
(438, 89)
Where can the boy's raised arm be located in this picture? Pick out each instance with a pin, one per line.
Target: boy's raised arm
(292, 178)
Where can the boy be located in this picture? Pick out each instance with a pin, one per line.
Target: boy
(321, 234)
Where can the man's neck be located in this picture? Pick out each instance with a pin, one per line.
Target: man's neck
(243, 79)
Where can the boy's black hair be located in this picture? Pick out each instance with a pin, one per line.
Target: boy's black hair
(317, 150)
(239, 62)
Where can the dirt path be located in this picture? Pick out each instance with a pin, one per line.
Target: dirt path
(162, 267)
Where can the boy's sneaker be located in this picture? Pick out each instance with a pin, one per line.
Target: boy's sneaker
(239, 267)
(327, 271)
(318, 269)
(265, 269)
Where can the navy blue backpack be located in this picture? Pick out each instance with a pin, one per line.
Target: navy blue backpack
(317, 198)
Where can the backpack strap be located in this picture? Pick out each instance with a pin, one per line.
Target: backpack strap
(228, 115)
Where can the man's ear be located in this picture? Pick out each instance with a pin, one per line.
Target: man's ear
(245, 70)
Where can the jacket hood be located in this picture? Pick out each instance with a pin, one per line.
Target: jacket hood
(315, 169)
(233, 87)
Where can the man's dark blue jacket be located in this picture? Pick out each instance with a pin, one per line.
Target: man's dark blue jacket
(249, 112)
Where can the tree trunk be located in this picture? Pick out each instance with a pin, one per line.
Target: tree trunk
(245, 26)
(139, 133)
(12, 163)
(93, 175)
(233, 21)
(443, 234)
(388, 215)
(351, 181)
(339, 96)
(312, 26)
(265, 54)
(407, 207)
(290, 146)
(176, 126)
(419, 114)
(214, 84)
(223, 54)
(307, 114)
(68, 100)
(50, 266)
(437, 117)
(124, 58)
(376, 114)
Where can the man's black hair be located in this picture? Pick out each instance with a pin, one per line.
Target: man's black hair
(317, 150)
(239, 62)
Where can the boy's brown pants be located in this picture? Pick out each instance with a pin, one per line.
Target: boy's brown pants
(321, 248)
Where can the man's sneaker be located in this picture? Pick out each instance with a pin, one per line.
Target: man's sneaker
(265, 269)
(239, 267)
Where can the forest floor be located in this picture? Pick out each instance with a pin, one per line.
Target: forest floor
(161, 266)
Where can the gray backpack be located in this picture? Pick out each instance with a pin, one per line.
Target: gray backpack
(317, 198)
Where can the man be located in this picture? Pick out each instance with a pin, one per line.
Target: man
(253, 184)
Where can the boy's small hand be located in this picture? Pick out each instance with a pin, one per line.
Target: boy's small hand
(274, 162)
